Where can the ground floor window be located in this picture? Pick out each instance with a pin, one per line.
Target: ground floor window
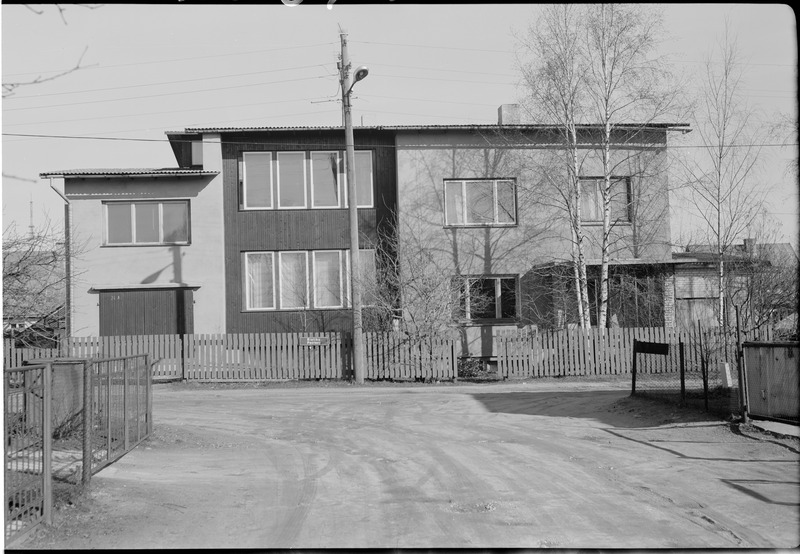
(487, 298)
(303, 279)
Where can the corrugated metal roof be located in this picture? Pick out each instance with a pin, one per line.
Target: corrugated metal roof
(467, 127)
(128, 172)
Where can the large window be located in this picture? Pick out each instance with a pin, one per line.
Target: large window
(316, 279)
(480, 202)
(487, 298)
(146, 223)
(302, 180)
(592, 199)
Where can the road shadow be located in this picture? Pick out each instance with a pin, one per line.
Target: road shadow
(611, 407)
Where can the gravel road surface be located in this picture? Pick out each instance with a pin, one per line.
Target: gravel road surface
(520, 465)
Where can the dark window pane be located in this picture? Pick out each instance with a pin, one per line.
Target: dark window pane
(508, 298)
(324, 177)
(482, 300)
(146, 222)
(176, 221)
(291, 179)
(480, 203)
(119, 223)
(258, 179)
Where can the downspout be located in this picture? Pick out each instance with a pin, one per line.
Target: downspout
(67, 260)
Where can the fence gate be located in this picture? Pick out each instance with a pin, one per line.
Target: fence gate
(771, 372)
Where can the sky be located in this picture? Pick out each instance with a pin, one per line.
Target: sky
(151, 68)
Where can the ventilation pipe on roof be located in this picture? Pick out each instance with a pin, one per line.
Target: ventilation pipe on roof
(67, 261)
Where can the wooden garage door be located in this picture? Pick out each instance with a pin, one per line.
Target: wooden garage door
(146, 312)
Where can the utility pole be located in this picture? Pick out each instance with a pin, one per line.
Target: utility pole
(352, 199)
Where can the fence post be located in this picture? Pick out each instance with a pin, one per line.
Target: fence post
(86, 469)
(108, 410)
(740, 373)
(149, 396)
(125, 402)
(683, 371)
(633, 369)
(47, 444)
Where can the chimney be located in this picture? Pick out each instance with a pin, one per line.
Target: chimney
(508, 114)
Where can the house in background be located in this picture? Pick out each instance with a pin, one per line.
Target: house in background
(761, 279)
(249, 233)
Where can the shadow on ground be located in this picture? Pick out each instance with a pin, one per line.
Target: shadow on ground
(616, 407)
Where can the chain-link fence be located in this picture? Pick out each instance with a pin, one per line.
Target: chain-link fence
(695, 368)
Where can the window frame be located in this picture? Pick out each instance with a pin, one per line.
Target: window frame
(243, 179)
(160, 203)
(495, 207)
(598, 199)
(307, 298)
(339, 179)
(371, 180)
(464, 282)
(342, 299)
(305, 178)
(246, 287)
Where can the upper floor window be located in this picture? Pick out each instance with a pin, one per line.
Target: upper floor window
(302, 180)
(480, 202)
(147, 222)
(592, 199)
(487, 297)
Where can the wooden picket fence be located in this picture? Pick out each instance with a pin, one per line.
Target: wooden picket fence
(262, 356)
(558, 353)
(396, 356)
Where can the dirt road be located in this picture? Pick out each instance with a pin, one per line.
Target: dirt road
(539, 464)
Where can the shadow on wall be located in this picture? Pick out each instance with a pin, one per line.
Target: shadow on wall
(615, 408)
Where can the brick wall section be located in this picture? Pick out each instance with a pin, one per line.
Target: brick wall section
(669, 298)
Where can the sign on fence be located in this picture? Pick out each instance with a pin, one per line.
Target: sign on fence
(314, 341)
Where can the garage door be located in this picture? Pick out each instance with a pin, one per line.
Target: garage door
(146, 312)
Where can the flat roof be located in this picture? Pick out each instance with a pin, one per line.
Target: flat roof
(468, 127)
(128, 172)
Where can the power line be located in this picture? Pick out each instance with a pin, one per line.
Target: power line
(168, 94)
(163, 83)
(178, 59)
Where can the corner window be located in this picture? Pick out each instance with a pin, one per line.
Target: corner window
(480, 202)
(592, 199)
(146, 223)
(487, 298)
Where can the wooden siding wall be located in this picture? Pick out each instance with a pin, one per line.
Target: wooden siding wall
(317, 229)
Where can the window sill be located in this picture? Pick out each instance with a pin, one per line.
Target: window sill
(302, 208)
(145, 245)
(485, 322)
(481, 226)
(600, 223)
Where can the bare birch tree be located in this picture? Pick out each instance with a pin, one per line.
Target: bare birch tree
(722, 176)
(553, 80)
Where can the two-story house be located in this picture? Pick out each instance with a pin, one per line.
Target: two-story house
(249, 233)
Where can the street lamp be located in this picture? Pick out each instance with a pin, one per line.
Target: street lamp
(355, 285)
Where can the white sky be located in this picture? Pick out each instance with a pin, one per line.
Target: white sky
(152, 68)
